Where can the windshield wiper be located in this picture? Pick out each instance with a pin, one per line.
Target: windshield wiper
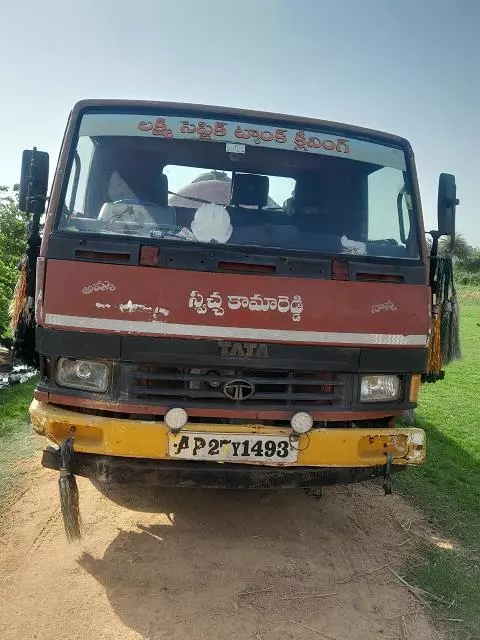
(179, 195)
(194, 199)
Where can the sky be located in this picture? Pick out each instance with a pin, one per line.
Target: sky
(409, 67)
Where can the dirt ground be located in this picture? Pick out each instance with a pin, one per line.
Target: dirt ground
(185, 564)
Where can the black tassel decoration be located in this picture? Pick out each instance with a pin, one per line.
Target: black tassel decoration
(69, 499)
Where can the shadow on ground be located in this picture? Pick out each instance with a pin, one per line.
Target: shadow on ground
(219, 564)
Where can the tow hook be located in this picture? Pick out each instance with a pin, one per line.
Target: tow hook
(387, 475)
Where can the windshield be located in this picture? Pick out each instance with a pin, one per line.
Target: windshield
(200, 180)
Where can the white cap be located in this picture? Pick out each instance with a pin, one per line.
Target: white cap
(212, 222)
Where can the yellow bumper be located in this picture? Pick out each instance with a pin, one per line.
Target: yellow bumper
(354, 447)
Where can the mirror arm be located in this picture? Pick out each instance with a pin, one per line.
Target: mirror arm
(76, 180)
(434, 259)
(401, 223)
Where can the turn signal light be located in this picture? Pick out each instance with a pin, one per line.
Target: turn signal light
(415, 387)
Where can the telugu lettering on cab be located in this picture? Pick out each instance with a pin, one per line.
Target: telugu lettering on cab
(205, 131)
(214, 303)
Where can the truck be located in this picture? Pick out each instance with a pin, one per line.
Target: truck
(229, 298)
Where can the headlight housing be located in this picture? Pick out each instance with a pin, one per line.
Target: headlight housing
(86, 375)
(380, 388)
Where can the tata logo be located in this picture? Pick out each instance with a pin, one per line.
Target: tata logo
(243, 350)
(238, 390)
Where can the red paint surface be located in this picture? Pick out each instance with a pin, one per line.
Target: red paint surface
(329, 306)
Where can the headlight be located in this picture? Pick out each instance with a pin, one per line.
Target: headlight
(83, 374)
(380, 388)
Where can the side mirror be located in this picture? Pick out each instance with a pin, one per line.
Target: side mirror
(447, 201)
(33, 181)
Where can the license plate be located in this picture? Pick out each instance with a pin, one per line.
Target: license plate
(227, 447)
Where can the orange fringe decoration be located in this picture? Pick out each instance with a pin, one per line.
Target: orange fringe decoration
(19, 301)
(434, 363)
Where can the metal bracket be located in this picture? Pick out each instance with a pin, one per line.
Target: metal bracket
(387, 475)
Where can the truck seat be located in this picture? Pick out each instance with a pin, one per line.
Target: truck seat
(142, 212)
(249, 196)
(309, 213)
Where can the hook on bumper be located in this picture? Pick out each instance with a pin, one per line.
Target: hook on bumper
(387, 475)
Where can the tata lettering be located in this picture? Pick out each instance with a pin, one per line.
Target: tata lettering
(243, 350)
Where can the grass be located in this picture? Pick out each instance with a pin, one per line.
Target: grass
(16, 438)
(447, 486)
(455, 578)
(467, 278)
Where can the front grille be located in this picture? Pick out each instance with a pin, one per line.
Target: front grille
(268, 389)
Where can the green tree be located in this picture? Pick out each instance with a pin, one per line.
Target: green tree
(12, 248)
(460, 250)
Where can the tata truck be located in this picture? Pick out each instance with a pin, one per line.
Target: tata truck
(230, 298)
